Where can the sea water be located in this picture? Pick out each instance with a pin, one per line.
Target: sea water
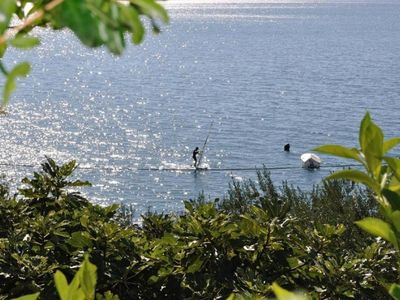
(266, 73)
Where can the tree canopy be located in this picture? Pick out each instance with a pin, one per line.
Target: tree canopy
(95, 22)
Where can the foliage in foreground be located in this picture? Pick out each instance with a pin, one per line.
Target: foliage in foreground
(212, 251)
(382, 176)
(95, 23)
(83, 287)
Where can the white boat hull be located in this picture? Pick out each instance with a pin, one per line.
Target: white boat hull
(310, 161)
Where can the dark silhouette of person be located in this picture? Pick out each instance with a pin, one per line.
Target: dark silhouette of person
(194, 156)
(287, 147)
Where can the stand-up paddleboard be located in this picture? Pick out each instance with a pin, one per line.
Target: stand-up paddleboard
(201, 154)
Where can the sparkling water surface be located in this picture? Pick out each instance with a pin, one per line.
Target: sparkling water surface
(266, 73)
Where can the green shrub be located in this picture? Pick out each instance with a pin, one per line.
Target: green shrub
(381, 176)
(214, 249)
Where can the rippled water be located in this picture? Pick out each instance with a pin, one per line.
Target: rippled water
(266, 72)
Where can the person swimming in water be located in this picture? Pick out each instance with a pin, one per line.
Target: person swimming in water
(194, 156)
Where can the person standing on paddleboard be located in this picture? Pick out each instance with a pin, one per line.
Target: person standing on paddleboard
(194, 156)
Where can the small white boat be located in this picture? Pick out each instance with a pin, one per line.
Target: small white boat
(310, 161)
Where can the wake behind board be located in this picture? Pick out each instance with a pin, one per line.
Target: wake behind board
(203, 168)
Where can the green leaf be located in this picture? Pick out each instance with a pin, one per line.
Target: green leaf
(356, 176)
(76, 294)
(107, 296)
(371, 141)
(68, 168)
(78, 183)
(3, 48)
(9, 88)
(79, 240)
(393, 198)
(29, 297)
(363, 128)
(130, 16)
(282, 294)
(394, 185)
(115, 42)
(84, 220)
(61, 233)
(88, 278)
(394, 291)
(156, 29)
(7, 8)
(338, 150)
(76, 15)
(74, 290)
(188, 206)
(380, 228)
(389, 144)
(24, 41)
(152, 9)
(153, 279)
(61, 284)
(20, 70)
(111, 209)
(395, 218)
(195, 266)
(394, 164)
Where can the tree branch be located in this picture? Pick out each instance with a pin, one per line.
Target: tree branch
(29, 21)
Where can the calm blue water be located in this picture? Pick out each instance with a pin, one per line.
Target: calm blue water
(266, 73)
